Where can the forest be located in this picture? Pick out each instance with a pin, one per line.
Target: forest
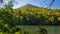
(27, 15)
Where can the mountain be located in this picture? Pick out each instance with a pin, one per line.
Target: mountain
(29, 6)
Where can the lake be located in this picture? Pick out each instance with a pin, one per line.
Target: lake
(50, 29)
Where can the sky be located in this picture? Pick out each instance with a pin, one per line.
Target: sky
(39, 3)
(56, 4)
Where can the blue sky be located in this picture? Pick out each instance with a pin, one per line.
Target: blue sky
(40, 3)
(56, 4)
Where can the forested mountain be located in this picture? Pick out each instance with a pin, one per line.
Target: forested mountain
(35, 15)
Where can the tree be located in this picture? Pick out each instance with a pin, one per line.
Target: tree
(7, 14)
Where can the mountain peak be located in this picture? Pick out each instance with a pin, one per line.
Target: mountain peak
(29, 6)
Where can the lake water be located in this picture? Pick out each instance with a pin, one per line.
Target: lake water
(50, 29)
